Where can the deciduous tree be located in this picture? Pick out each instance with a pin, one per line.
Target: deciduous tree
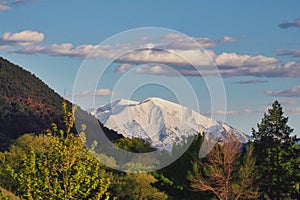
(224, 174)
(63, 169)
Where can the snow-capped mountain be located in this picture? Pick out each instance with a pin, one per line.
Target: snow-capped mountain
(160, 122)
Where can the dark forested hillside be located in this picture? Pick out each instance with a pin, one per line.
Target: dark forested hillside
(26, 103)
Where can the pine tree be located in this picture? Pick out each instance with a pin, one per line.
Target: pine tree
(273, 128)
(275, 154)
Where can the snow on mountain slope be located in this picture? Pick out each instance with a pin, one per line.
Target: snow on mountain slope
(160, 122)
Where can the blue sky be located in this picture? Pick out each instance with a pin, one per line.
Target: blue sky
(255, 44)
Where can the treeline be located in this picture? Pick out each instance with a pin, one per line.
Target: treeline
(56, 165)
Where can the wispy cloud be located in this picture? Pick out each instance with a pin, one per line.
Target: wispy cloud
(66, 49)
(3, 47)
(293, 111)
(287, 110)
(231, 112)
(293, 53)
(19, 2)
(103, 92)
(4, 6)
(287, 24)
(227, 39)
(180, 42)
(292, 92)
(8, 4)
(251, 82)
(260, 110)
(99, 93)
(289, 101)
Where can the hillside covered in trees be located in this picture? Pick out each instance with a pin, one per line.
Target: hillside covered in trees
(28, 105)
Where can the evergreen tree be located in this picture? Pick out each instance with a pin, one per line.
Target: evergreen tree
(273, 128)
(276, 155)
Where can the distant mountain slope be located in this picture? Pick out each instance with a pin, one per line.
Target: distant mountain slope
(160, 122)
(27, 104)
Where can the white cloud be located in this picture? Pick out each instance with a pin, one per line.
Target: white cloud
(229, 64)
(156, 69)
(233, 59)
(23, 38)
(169, 57)
(232, 64)
(172, 50)
(123, 68)
(146, 50)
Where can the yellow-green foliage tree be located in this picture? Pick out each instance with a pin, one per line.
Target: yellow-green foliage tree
(62, 169)
(136, 187)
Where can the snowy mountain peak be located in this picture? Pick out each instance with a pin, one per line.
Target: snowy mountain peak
(159, 121)
(126, 102)
(157, 100)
